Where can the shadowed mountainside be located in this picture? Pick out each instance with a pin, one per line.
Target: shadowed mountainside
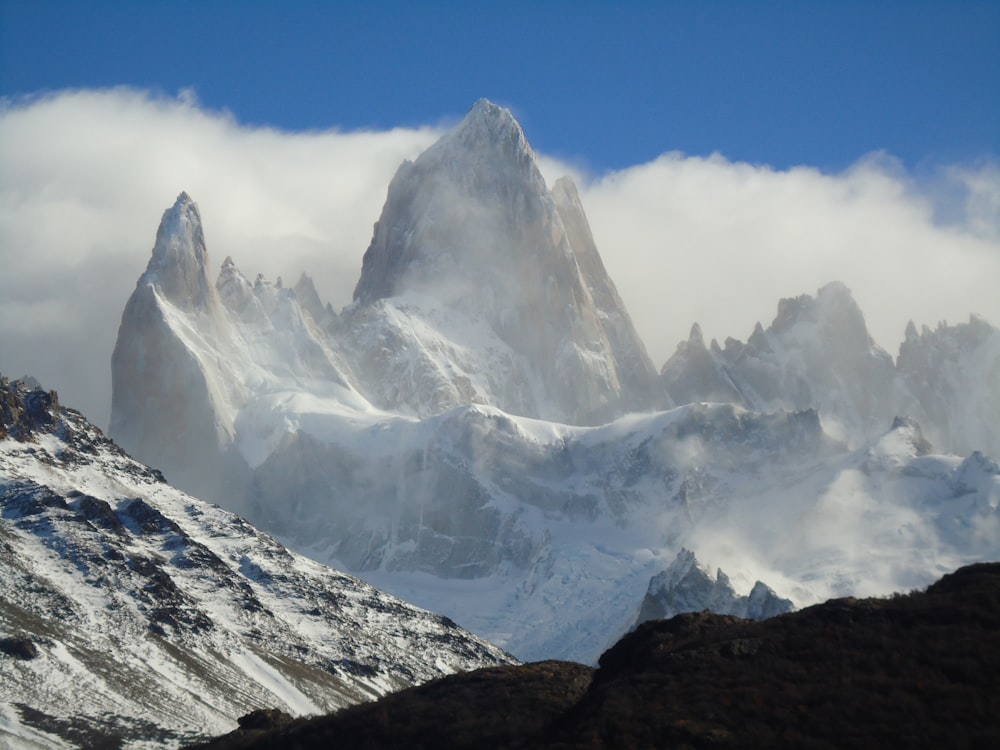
(916, 670)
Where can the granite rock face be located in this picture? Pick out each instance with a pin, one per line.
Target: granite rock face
(950, 383)
(470, 234)
(686, 587)
(168, 405)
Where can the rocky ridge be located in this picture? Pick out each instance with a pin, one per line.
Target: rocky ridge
(817, 353)
(686, 587)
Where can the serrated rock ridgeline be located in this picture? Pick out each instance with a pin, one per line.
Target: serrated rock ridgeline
(818, 353)
(686, 587)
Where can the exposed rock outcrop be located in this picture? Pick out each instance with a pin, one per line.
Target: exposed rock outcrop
(472, 241)
(686, 587)
(25, 409)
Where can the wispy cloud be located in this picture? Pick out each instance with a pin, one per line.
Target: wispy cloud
(86, 175)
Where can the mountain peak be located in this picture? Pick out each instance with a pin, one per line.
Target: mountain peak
(696, 337)
(471, 231)
(833, 307)
(484, 105)
(179, 263)
(484, 118)
(477, 183)
(182, 218)
(486, 149)
(484, 109)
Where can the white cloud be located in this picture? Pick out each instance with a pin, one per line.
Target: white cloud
(86, 175)
(692, 239)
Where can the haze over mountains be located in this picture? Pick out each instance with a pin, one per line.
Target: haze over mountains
(481, 430)
(818, 354)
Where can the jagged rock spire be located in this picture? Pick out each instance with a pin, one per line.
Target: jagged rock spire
(178, 266)
(817, 353)
(473, 191)
(490, 133)
(471, 226)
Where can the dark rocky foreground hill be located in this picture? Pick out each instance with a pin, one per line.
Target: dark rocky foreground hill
(917, 670)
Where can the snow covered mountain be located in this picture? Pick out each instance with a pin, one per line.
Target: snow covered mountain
(482, 286)
(131, 612)
(460, 434)
(192, 354)
(817, 353)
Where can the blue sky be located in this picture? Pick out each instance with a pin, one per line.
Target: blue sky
(603, 86)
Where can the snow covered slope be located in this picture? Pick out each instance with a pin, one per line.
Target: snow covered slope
(544, 537)
(155, 618)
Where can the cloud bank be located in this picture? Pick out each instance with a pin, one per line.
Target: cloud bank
(86, 175)
(707, 240)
